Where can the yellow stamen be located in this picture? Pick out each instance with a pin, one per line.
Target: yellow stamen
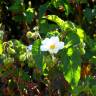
(52, 46)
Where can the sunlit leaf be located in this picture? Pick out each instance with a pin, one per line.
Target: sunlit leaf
(70, 52)
(80, 33)
(68, 9)
(56, 19)
(29, 15)
(1, 49)
(71, 66)
(72, 39)
(64, 25)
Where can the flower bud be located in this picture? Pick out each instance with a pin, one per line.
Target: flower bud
(10, 50)
(32, 35)
(29, 34)
(35, 35)
(10, 43)
(22, 57)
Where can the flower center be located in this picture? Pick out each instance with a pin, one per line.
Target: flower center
(52, 46)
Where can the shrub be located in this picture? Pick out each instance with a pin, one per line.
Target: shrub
(47, 48)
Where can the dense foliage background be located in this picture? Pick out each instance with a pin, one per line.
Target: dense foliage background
(26, 70)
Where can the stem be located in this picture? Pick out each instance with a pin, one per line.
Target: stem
(18, 81)
(53, 57)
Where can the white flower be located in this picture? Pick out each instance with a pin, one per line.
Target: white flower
(29, 48)
(53, 45)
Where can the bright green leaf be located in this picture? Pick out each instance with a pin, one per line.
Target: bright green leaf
(1, 49)
(80, 33)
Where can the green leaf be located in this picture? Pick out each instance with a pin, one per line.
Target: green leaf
(57, 3)
(37, 55)
(1, 33)
(71, 65)
(16, 6)
(53, 33)
(29, 15)
(43, 26)
(8, 61)
(68, 9)
(65, 61)
(94, 11)
(94, 90)
(80, 33)
(57, 20)
(24, 75)
(83, 1)
(46, 28)
(93, 60)
(70, 52)
(18, 18)
(43, 9)
(64, 25)
(72, 39)
(7, 72)
(88, 14)
(1, 49)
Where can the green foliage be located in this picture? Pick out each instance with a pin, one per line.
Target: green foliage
(29, 15)
(71, 65)
(57, 20)
(90, 13)
(57, 3)
(71, 62)
(37, 55)
(28, 67)
(43, 9)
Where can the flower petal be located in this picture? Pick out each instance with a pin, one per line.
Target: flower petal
(54, 39)
(61, 45)
(45, 41)
(29, 48)
(43, 48)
